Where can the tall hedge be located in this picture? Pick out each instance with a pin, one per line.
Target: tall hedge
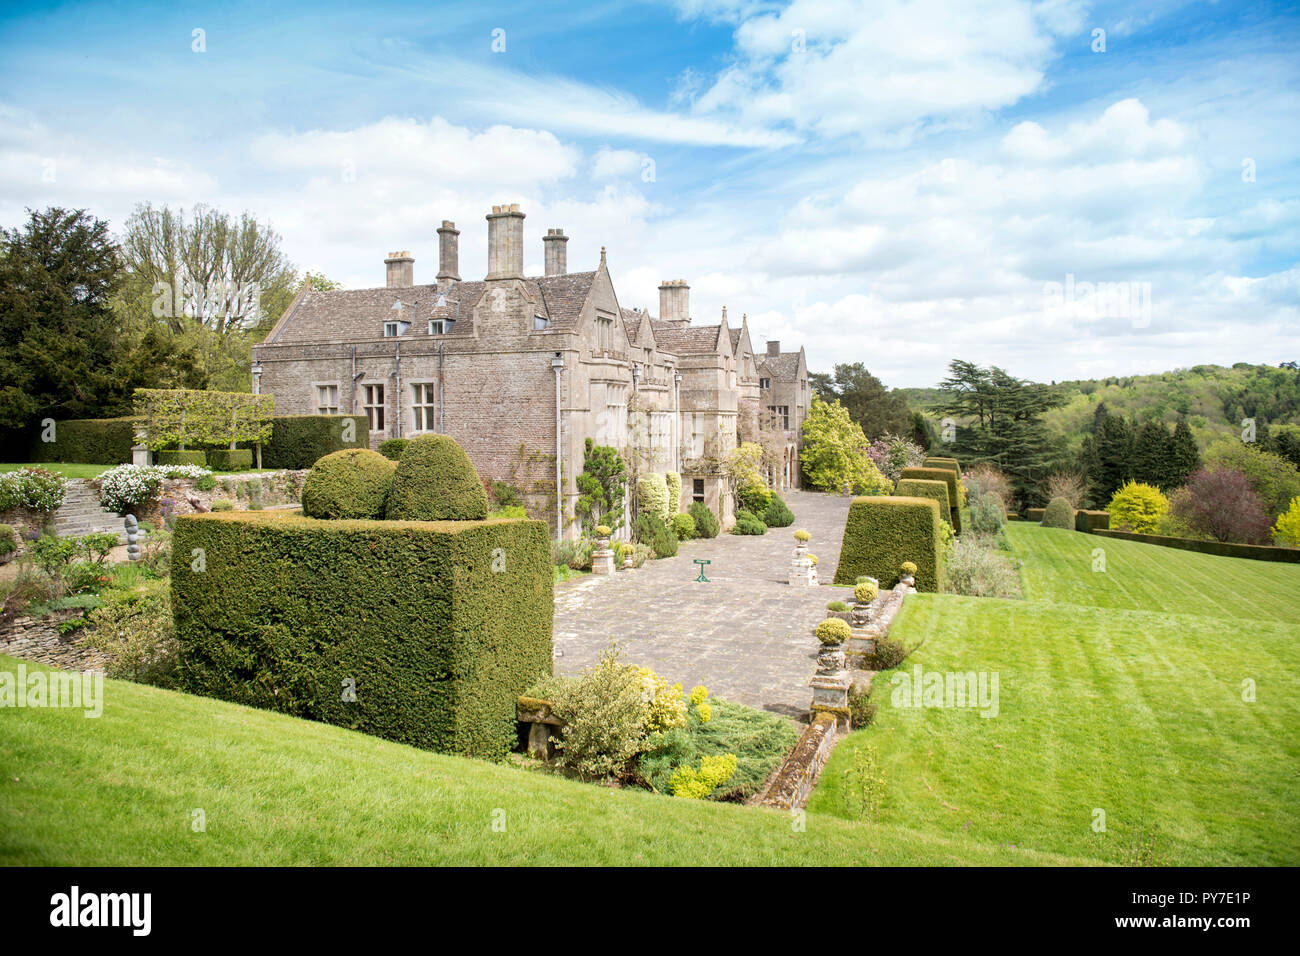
(90, 441)
(926, 488)
(299, 441)
(946, 475)
(440, 626)
(936, 461)
(881, 533)
(1254, 552)
(435, 481)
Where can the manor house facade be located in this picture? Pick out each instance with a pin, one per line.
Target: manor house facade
(521, 370)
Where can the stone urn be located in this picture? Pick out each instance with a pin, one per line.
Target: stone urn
(602, 556)
(830, 659)
(909, 580)
(860, 616)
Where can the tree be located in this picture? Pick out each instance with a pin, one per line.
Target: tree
(601, 487)
(1184, 456)
(215, 282)
(59, 343)
(834, 452)
(1273, 477)
(1150, 460)
(999, 420)
(1287, 528)
(822, 385)
(876, 409)
(1221, 503)
(1108, 453)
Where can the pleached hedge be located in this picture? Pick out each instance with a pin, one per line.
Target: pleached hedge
(438, 627)
(90, 441)
(946, 475)
(881, 533)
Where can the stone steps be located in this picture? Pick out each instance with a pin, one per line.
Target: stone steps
(80, 513)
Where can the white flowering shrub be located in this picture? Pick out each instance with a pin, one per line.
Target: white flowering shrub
(34, 488)
(183, 471)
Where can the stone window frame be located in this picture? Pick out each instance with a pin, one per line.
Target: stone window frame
(764, 384)
(338, 393)
(698, 490)
(429, 406)
(382, 407)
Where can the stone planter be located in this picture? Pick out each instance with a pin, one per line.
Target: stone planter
(860, 616)
(830, 659)
(860, 645)
(907, 580)
(602, 561)
(845, 616)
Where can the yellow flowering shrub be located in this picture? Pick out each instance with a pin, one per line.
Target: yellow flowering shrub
(1287, 528)
(667, 708)
(697, 784)
(699, 694)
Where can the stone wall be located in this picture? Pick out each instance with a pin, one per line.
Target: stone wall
(39, 640)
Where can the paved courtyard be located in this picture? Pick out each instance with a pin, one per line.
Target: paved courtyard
(746, 635)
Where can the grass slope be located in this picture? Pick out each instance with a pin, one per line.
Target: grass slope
(120, 790)
(1137, 712)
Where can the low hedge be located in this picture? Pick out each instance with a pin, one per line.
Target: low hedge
(946, 475)
(1035, 514)
(1255, 552)
(881, 533)
(1091, 520)
(435, 481)
(230, 459)
(181, 456)
(1059, 513)
(299, 441)
(925, 488)
(90, 441)
(353, 483)
(440, 626)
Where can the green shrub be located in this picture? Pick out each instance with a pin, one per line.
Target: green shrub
(1059, 514)
(230, 459)
(683, 526)
(346, 484)
(8, 540)
(36, 489)
(572, 554)
(1255, 552)
(134, 628)
(185, 417)
(865, 591)
(103, 441)
(507, 495)
(988, 515)
(834, 631)
(837, 606)
(890, 652)
(177, 456)
(435, 481)
(223, 504)
(778, 513)
(976, 568)
(949, 477)
(753, 497)
(392, 448)
(650, 529)
(299, 441)
(508, 511)
(881, 533)
(707, 524)
(438, 637)
(206, 483)
(936, 461)
(748, 523)
(862, 709)
(674, 482)
(926, 488)
(1137, 507)
(1035, 514)
(652, 495)
(604, 712)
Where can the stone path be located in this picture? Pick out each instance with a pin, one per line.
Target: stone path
(746, 635)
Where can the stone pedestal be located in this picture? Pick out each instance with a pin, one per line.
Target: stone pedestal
(831, 694)
(140, 455)
(602, 561)
(802, 571)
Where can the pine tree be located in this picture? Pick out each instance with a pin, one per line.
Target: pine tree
(1184, 456)
(1150, 460)
(1112, 450)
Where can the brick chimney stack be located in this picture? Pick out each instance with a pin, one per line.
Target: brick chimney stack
(774, 348)
(448, 255)
(557, 260)
(675, 301)
(401, 270)
(506, 242)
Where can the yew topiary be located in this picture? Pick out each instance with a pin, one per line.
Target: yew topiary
(435, 481)
(353, 483)
(1059, 514)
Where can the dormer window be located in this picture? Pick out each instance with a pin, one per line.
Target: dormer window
(540, 323)
(393, 329)
(440, 326)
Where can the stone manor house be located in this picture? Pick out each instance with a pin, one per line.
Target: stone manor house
(521, 370)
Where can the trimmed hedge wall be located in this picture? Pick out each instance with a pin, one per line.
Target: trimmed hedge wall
(90, 441)
(230, 459)
(1035, 514)
(435, 481)
(1256, 552)
(934, 461)
(947, 475)
(299, 441)
(177, 456)
(1091, 520)
(926, 488)
(882, 533)
(439, 630)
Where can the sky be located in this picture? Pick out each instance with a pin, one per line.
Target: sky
(1064, 189)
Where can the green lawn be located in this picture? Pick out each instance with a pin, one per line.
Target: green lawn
(1118, 690)
(120, 789)
(66, 469)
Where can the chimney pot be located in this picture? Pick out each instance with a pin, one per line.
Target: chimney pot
(674, 301)
(401, 270)
(506, 242)
(448, 255)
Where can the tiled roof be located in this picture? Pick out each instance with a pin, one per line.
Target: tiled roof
(685, 339)
(632, 322)
(783, 367)
(350, 315)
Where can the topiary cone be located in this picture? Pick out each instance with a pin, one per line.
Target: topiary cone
(435, 481)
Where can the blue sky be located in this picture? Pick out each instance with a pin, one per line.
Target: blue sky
(895, 183)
